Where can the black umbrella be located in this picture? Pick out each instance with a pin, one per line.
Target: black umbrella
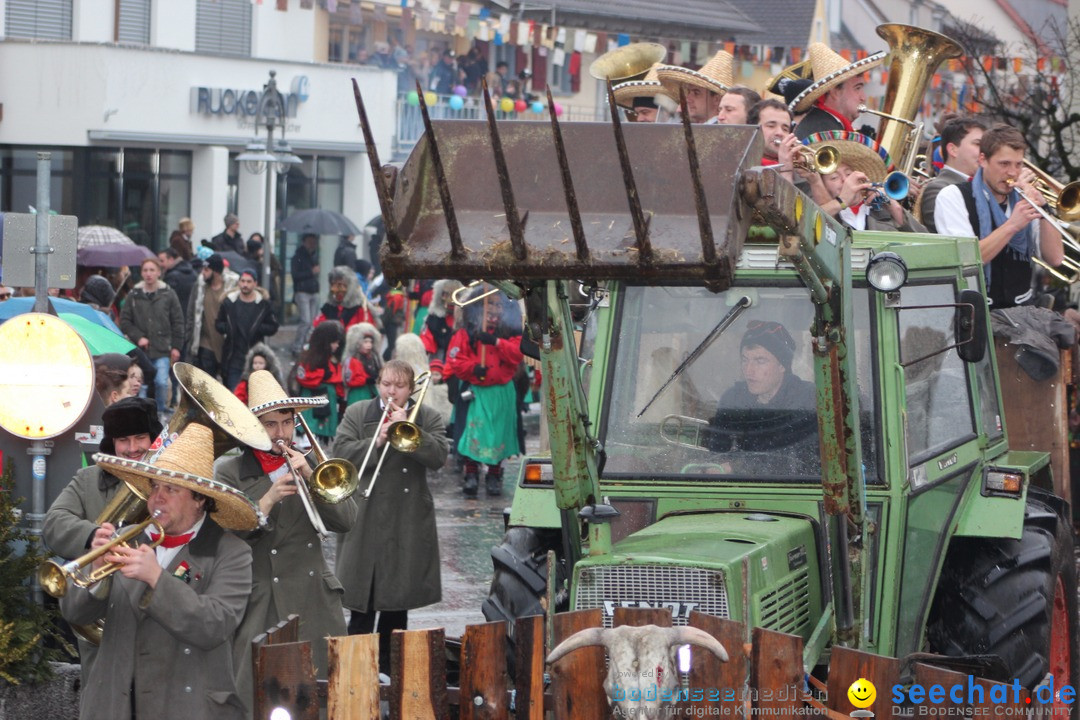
(320, 222)
(238, 262)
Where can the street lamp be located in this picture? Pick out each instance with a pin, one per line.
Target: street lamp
(270, 156)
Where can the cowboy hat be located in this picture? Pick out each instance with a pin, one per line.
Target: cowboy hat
(829, 70)
(857, 151)
(717, 75)
(265, 394)
(188, 462)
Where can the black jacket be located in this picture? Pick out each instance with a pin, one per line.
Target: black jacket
(181, 279)
(240, 336)
(345, 254)
(303, 271)
(222, 241)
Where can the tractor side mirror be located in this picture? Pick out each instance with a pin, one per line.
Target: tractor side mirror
(971, 321)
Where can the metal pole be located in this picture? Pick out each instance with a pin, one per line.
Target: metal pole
(37, 449)
(41, 241)
(268, 250)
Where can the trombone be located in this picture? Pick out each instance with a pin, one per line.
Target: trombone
(1067, 194)
(53, 576)
(403, 435)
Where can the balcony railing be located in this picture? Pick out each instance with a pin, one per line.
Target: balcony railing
(410, 123)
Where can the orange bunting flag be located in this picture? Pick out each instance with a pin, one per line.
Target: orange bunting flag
(1040, 64)
(884, 77)
(1018, 64)
(729, 47)
(796, 54)
(846, 54)
(988, 63)
(935, 81)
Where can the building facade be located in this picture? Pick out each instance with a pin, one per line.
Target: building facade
(145, 105)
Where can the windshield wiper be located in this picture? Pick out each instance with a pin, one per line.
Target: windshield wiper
(740, 305)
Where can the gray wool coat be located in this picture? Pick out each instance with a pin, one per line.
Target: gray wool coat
(289, 574)
(69, 529)
(390, 559)
(173, 644)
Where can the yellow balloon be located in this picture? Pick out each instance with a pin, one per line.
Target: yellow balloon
(430, 98)
(506, 105)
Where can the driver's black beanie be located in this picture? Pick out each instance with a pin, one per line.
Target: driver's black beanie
(773, 337)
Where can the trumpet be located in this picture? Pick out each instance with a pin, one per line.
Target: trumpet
(53, 576)
(403, 435)
(823, 161)
(895, 187)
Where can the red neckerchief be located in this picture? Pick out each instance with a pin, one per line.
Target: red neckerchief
(835, 113)
(269, 462)
(173, 541)
(766, 160)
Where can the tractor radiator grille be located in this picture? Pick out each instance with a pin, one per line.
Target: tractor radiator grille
(787, 607)
(679, 589)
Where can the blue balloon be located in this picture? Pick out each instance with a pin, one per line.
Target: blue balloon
(456, 102)
(538, 107)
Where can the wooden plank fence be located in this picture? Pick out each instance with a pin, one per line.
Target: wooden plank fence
(763, 676)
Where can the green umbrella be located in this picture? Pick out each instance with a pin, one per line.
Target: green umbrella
(99, 339)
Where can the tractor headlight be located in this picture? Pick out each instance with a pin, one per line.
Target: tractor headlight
(886, 272)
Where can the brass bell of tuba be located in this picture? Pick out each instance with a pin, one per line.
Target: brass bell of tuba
(915, 55)
(628, 63)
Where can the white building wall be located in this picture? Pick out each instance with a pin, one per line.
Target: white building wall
(208, 165)
(284, 35)
(172, 24)
(93, 20)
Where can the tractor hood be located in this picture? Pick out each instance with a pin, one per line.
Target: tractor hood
(740, 565)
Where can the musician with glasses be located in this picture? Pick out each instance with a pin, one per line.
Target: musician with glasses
(289, 572)
(990, 207)
(389, 562)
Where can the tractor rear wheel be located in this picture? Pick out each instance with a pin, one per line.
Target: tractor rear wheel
(1013, 598)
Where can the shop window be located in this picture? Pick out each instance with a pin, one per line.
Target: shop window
(133, 24)
(42, 19)
(18, 180)
(223, 27)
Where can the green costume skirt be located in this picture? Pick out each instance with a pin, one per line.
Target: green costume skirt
(491, 428)
(356, 394)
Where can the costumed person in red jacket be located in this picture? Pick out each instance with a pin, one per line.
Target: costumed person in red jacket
(347, 303)
(318, 372)
(361, 362)
(486, 352)
(259, 357)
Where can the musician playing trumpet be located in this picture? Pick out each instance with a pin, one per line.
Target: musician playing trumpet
(998, 206)
(288, 570)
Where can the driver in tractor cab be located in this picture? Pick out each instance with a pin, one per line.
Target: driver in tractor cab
(771, 406)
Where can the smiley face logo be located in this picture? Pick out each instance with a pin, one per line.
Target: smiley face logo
(862, 693)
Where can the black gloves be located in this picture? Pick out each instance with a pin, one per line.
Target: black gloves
(479, 372)
(486, 337)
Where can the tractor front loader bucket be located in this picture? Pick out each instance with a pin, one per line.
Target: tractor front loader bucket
(530, 201)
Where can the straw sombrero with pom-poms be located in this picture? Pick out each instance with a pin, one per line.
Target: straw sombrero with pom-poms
(265, 394)
(717, 75)
(829, 70)
(859, 152)
(188, 462)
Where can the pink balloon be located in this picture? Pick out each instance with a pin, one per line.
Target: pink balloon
(558, 109)
(520, 105)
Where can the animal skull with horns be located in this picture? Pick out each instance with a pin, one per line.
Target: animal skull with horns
(640, 657)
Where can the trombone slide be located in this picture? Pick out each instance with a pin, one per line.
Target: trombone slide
(305, 498)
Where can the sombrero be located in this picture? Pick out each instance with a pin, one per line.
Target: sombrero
(830, 69)
(627, 93)
(858, 151)
(716, 76)
(265, 394)
(188, 462)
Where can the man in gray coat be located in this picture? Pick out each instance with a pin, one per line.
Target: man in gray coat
(389, 561)
(130, 426)
(289, 572)
(170, 611)
(153, 319)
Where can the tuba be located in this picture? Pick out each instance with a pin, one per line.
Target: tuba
(630, 62)
(915, 54)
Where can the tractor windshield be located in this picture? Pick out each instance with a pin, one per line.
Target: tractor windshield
(745, 404)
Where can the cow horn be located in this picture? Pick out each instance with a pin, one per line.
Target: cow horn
(696, 636)
(580, 639)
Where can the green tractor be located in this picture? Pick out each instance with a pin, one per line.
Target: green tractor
(879, 507)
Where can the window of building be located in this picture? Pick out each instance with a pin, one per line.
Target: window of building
(133, 24)
(223, 27)
(18, 180)
(318, 182)
(42, 19)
